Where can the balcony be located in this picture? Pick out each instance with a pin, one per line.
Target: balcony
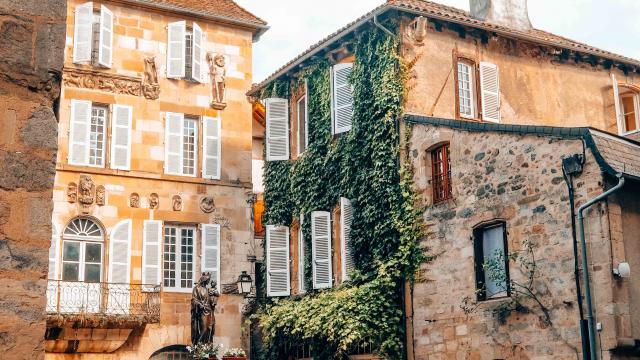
(101, 304)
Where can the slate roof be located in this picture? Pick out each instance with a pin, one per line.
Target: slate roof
(447, 13)
(615, 154)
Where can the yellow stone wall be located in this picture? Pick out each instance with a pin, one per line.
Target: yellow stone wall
(138, 33)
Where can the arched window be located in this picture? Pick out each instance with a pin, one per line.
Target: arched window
(82, 251)
(173, 352)
(627, 101)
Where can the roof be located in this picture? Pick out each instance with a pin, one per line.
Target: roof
(615, 154)
(447, 13)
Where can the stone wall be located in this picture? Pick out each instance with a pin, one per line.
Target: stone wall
(31, 58)
(517, 179)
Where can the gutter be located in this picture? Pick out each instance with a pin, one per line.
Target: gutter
(585, 272)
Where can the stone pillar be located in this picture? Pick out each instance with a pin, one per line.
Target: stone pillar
(32, 36)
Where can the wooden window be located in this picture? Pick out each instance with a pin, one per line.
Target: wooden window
(184, 51)
(301, 257)
(346, 218)
(93, 35)
(151, 254)
(630, 103)
(466, 90)
(491, 261)
(97, 130)
(301, 108)
(441, 173)
(277, 130)
(321, 249)
(342, 98)
(278, 277)
(181, 144)
(178, 258)
(210, 259)
(490, 92)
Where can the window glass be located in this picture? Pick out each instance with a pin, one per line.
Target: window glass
(465, 90)
(96, 136)
(178, 262)
(629, 112)
(93, 253)
(71, 251)
(169, 256)
(188, 65)
(494, 262)
(186, 259)
(189, 136)
(70, 271)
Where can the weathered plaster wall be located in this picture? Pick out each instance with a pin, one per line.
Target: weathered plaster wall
(31, 58)
(517, 179)
(533, 88)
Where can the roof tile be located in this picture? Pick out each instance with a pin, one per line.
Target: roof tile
(222, 8)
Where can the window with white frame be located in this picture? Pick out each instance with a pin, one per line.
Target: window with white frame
(189, 146)
(93, 35)
(184, 51)
(466, 83)
(491, 261)
(630, 104)
(182, 139)
(97, 141)
(178, 259)
(341, 98)
(301, 109)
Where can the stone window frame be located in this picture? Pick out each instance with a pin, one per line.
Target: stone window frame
(478, 242)
(447, 178)
(475, 86)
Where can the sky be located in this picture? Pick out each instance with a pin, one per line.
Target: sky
(297, 24)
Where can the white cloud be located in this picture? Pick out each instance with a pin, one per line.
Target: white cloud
(297, 24)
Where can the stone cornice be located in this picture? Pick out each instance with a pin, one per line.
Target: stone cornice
(103, 81)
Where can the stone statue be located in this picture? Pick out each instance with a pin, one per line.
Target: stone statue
(134, 200)
(86, 192)
(150, 86)
(154, 201)
(177, 203)
(207, 205)
(203, 304)
(100, 195)
(72, 192)
(218, 74)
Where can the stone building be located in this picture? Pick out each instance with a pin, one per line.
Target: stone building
(488, 70)
(31, 60)
(153, 177)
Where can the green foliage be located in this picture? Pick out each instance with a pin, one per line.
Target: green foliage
(364, 166)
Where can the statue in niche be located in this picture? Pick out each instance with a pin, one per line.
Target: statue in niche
(134, 200)
(86, 192)
(100, 195)
(72, 192)
(204, 299)
(154, 201)
(417, 30)
(207, 205)
(218, 74)
(150, 86)
(177, 203)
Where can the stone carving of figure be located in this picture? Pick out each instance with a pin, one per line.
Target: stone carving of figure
(218, 74)
(86, 192)
(154, 201)
(150, 86)
(134, 200)
(177, 203)
(207, 205)
(100, 195)
(72, 192)
(203, 304)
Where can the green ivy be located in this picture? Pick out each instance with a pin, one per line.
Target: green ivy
(364, 166)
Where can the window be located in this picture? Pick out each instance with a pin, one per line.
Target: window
(181, 144)
(189, 146)
(277, 129)
(492, 266)
(301, 108)
(321, 249)
(441, 174)
(178, 264)
(96, 135)
(278, 281)
(466, 96)
(342, 98)
(93, 36)
(630, 104)
(184, 51)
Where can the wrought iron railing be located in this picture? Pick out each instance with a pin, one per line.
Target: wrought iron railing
(129, 301)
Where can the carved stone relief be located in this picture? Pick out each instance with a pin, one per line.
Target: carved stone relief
(218, 73)
(89, 79)
(100, 195)
(207, 204)
(72, 192)
(177, 203)
(154, 201)
(150, 86)
(134, 200)
(221, 220)
(86, 193)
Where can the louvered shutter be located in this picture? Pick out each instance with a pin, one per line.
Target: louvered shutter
(278, 261)
(120, 253)
(151, 254)
(342, 98)
(53, 253)
(210, 260)
(83, 33)
(196, 54)
(173, 143)
(346, 217)
(105, 46)
(211, 148)
(616, 100)
(121, 137)
(277, 129)
(176, 49)
(301, 257)
(490, 92)
(321, 248)
(79, 128)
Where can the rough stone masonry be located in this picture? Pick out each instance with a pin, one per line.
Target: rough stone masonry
(32, 35)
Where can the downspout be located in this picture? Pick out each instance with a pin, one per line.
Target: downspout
(583, 244)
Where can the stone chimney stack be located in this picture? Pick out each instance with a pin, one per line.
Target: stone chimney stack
(509, 13)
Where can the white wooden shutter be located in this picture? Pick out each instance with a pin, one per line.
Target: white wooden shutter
(176, 49)
(79, 128)
(346, 217)
(105, 46)
(83, 33)
(210, 260)
(173, 143)
(278, 283)
(301, 257)
(211, 148)
(321, 248)
(151, 254)
(120, 253)
(121, 137)
(196, 54)
(53, 253)
(490, 92)
(616, 100)
(342, 98)
(277, 129)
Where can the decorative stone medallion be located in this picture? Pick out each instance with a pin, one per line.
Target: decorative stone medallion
(154, 201)
(100, 195)
(72, 192)
(86, 193)
(207, 205)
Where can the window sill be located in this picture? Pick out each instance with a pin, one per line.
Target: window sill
(630, 133)
(176, 290)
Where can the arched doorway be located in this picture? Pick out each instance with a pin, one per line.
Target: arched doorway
(173, 352)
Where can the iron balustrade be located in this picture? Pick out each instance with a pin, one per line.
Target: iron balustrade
(132, 301)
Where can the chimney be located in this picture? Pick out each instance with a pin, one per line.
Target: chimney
(509, 13)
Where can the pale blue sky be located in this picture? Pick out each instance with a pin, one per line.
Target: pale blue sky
(296, 24)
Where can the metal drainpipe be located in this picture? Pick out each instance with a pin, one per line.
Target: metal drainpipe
(583, 244)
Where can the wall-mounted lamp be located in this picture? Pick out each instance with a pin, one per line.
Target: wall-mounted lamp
(623, 270)
(244, 283)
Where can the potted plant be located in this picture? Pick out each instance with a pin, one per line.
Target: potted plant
(204, 351)
(234, 354)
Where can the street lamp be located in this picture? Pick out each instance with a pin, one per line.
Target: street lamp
(244, 283)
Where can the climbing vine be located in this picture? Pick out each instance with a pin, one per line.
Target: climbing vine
(362, 165)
